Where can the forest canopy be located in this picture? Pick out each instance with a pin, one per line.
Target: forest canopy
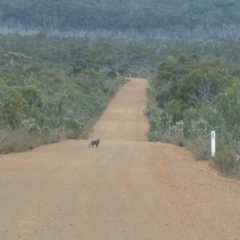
(119, 14)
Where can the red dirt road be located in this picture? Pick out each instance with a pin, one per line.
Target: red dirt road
(125, 189)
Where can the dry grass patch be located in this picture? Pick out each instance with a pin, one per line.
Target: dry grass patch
(227, 163)
(19, 141)
(200, 148)
(176, 139)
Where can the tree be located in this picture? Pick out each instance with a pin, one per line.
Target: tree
(12, 103)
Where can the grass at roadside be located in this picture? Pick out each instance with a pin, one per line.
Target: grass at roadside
(19, 141)
(226, 161)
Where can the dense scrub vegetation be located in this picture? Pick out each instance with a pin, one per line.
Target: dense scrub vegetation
(192, 97)
(51, 90)
(53, 85)
(119, 14)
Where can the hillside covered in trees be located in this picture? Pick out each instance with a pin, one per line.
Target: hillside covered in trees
(119, 14)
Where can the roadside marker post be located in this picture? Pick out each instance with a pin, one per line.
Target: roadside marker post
(213, 143)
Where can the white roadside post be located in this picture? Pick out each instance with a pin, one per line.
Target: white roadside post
(213, 143)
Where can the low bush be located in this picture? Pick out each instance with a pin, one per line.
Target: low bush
(200, 148)
(227, 163)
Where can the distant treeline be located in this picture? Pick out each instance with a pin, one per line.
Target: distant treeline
(119, 14)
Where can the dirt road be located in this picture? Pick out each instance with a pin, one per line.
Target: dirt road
(125, 189)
